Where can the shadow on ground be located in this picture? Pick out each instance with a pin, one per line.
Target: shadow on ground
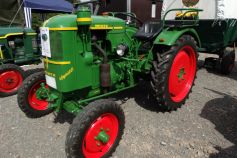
(142, 95)
(222, 112)
(64, 117)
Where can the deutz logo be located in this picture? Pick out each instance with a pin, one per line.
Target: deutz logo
(63, 77)
(189, 3)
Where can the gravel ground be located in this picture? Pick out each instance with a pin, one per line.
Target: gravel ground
(204, 127)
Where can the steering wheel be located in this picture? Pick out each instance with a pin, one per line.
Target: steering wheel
(133, 17)
(136, 20)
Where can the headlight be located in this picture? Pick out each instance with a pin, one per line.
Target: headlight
(122, 50)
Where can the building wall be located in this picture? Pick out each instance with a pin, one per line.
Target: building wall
(142, 8)
(115, 6)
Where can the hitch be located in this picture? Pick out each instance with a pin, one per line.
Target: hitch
(43, 93)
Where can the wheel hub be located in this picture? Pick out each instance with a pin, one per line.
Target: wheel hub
(10, 81)
(103, 136)
(42, 93)
(100, 136)
(35, 99)
(181, 74)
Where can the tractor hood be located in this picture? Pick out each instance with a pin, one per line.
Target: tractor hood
(69, 22)
(4, 31)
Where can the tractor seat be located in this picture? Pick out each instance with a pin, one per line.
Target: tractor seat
(149, 30)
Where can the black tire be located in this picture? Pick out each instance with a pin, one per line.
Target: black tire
(25, 90)
(161, 72)
(80, 125)
(33, 71)
(228, 61)
(7, 68)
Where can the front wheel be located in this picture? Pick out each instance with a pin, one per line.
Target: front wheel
(174, 72)
(28, 99)
(96, 131)
(11, 78)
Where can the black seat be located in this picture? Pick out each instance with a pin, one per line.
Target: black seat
(149, 30)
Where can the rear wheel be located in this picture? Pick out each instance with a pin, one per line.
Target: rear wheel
(27, 98)
(96, 131)
(174, 72)
(11, 78)
(228, 61)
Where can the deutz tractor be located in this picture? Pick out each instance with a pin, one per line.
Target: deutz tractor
(89, 57)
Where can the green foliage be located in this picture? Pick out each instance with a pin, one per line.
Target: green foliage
(38, 19)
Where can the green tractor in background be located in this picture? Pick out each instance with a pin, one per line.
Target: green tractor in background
(89, 57)
(16, 49)
(19, 44)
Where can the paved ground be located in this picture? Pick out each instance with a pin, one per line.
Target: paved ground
(204, 127)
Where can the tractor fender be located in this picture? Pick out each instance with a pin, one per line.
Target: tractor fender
(169, 37)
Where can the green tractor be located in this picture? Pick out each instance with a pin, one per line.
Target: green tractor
(19, 44)
(89, 57)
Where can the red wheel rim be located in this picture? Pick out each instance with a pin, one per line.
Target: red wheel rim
(10, 81)
(34, 102)
(182, 73)
(95, 148)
